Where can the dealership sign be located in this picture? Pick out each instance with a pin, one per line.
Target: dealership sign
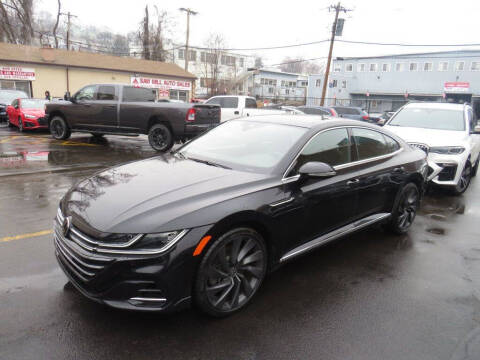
(16, 73)
(163, 85)
(456, 87)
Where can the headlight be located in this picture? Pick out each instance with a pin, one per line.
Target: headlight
(29, 116)
(449, 150)
(155, 243)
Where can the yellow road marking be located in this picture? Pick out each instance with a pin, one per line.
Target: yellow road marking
(74, 143)
(25, 236)
(8, 139)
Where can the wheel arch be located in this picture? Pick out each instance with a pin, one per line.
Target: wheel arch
(56, 113)
(158, 119)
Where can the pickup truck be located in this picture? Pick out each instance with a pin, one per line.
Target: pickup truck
(234, 107)
(127, 110)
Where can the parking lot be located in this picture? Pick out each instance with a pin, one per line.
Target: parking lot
(368, 296)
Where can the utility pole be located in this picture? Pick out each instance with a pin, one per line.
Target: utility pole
(69, 23)
(189, 12)
(337, 9)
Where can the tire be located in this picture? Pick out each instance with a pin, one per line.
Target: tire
(20, 124)
(464, 181)
(222, 286)
(475, 168)
(405, 209)
(160, 138)
(59, 128)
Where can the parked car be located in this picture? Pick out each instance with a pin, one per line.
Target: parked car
(446, 132)
(351, 112)
(206, 224)
(385, 117)
(27, 114)
(128, 110)
(317, 110)
(234, 107)
(6, 98)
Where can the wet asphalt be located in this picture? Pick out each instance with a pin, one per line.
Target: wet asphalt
(367, 296)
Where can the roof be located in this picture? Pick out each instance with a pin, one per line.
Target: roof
(50, 56)
(436, 105)
(459, 53)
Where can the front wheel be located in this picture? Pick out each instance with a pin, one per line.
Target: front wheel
(464, 181)
(475, 168)
(160, 138)
(59, 128)
(20, 124)
(406, 209)
(231, 272)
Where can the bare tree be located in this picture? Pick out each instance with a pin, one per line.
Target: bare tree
(144, 35)
(258, 62)
(16, 21)
(214, 44)
(55, 27)
(299, 65)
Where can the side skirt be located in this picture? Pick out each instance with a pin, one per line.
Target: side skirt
(345, 230)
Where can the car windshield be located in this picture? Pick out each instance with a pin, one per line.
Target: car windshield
(8, 96)
(438, 119)
(33, 103)
(245, 145)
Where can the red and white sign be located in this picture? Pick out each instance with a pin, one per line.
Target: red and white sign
(163, 85)
(456, 86)
(16, 73)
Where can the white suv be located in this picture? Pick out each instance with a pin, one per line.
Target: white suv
(447, 133)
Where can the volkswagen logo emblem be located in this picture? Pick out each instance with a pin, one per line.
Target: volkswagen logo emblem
(67, 222)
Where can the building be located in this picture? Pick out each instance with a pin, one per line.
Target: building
(387, 82)
(314, 89)
(275, 85)
(35, 70)
(216, 71)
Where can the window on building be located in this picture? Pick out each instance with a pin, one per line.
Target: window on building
(344, 84)
(334, 83)
(106, 92)
(241, 62)
(287, 91)
(373, 67)
(349, 67)
(318, 83)
(337, 67)
(133, 94)
(475, 66)
(413, 66)
(270, 90)
(443, 66)
(385, 67)
(428, 66)
(399, 67)
(282, 84)
(193, 55)
(361, 67)
(181, 54)
(460, 66)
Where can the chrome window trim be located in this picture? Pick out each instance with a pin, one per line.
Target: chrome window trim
(341, 166)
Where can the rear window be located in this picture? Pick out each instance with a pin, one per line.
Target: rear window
(132, 94)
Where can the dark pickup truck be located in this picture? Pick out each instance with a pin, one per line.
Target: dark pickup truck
(127, 110)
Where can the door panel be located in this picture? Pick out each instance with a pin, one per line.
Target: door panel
(104, 109)
(81, 114)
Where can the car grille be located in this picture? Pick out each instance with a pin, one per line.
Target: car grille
(448, 172)
(42, 121)
(420, 146)
(81, 259)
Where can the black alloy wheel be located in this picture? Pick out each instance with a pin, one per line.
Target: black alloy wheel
(464, 181)
(160, 138)
(59, 128)
(406, 210)
(231, 272)
(20, 124)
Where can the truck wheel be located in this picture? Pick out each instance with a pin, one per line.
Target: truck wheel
(59, 128)
(160, 138)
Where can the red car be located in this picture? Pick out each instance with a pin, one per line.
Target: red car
(27, 114)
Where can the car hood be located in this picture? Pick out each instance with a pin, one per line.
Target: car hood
(145, 196)
(34, 112)
(431, 137)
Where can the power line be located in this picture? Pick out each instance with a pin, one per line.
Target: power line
(405, 44)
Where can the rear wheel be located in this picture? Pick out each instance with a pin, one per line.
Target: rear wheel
(464, 181)
(406, 209)
(160, 138)
(59, 128)
(231, 272)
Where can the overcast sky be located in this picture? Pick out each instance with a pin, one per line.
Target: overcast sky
(253, 23)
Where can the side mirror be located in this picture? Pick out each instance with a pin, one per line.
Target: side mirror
(316, 169)
(67, 97)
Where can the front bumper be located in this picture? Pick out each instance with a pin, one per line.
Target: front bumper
(446, 170)
(32, 124)
(146, 283)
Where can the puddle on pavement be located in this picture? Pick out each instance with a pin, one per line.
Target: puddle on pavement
(436, 231)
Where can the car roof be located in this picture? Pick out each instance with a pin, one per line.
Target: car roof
(313, 122)
(435, 105)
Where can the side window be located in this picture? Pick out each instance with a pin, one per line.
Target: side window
(369, 143)
(392, 144)
(230, 102)
(133, 94)
(106, 92)
(86, 94)
(250, 103)
(331, 147)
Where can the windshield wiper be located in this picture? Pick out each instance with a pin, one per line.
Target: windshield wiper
(208, 162)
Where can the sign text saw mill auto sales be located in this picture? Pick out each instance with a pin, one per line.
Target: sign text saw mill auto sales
(163, 85)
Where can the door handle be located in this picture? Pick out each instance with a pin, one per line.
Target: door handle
(353, 182)
(399, 170)
(236, 113)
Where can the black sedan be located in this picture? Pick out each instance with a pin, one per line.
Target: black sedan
(206, 224)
